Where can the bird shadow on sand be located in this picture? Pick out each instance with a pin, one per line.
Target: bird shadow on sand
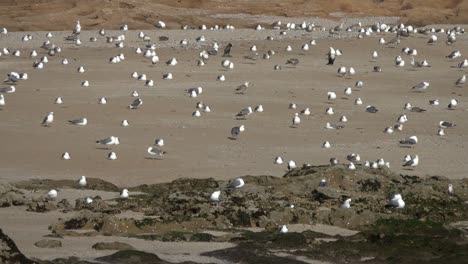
(232, 138)
(102, 148)
(408, 147)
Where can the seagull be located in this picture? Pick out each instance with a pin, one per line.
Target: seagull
(331, 95)
(461, 80)
(278, 160)
(452, 104)
(441, 132)
(112, 156)
(353, 157)
(172, 62)
(326, 144)
(334, 161)
(259, 108)
(333, 126)
(329, 111)
(292, 106)
(244, 113)
(58, 100)
(124, 123)
(196, 113)
(112, 140)
(52, 194)
(293, 62)
(454, 55)
(214, 197)
(124, 194)
(413, 162)
(291, 165)
(236, 183)
(450, 189)
(159, 142)
(283, 229)
(351, 166)
(331, 56)
(348, 91)
(227, 50)
(80, 121)
(82, 181)
(296, 120)
(342, 71)
(9, 89)
(398, 127)
(375, 55)
(371, 109)
(346, 204)
(413, 140)
(85, 83)
(242, 88)
(48, 119)
(463, 64)
(2, 100)
(66, 156)
(358, 101)
(389, 130)
(155, 151)
(135, 104)
(445, 124)
(305, 112)
(81, 69)
(359, 84)
(402, 119)
(343, 119)
(396, 201)
(351, 71)
(102, 100)
(236, 131)
(434, 102)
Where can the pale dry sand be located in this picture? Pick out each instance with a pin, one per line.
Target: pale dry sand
(199, 147)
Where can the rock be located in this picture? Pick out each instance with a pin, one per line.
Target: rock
(131, 257)
(48, 243)
(112, 246)
(9, 252)
(12, 196)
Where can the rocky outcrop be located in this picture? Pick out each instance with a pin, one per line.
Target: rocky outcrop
(48, 243)
(9, 253)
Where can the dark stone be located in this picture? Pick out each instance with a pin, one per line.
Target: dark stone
(112, 246)
(48, 243)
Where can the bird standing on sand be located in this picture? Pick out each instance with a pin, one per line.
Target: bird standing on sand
(409, 141)
(227, 50)
(244, 113)
(241, 89)
(293, 62)
(296, 120)
(153, 151)
(413, 162)
(79, 122)
(331, 56)
(236, 131)
(48, 119)
(112, 140)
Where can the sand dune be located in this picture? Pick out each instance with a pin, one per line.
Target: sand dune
(24, 15)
